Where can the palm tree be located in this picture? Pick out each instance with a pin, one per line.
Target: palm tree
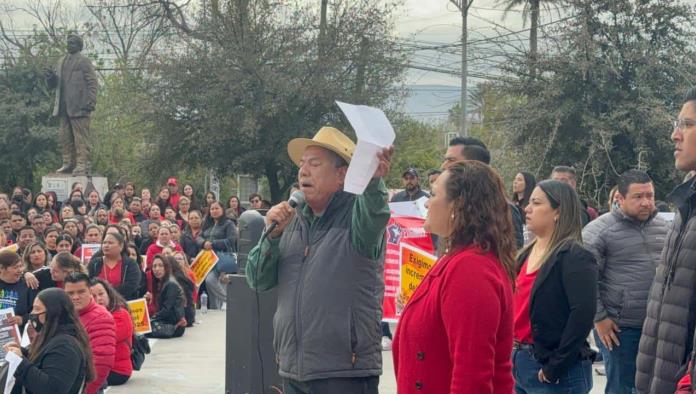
(531, 8)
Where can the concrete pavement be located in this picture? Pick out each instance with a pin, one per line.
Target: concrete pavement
(195, 363)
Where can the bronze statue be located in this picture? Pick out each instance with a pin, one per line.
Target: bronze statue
(75, 81)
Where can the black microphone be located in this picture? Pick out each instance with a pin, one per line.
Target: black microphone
(296, 199)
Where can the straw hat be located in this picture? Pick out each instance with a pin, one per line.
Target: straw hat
(327, 138)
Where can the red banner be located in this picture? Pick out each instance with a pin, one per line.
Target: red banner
(408, 230)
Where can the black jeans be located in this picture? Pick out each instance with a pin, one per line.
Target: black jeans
(365, 385)
(386, 331)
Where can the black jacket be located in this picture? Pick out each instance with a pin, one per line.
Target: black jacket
(189, 245)
(43, 275)
(223, 235)
(562, 308)
(170, 302)
(130, 276)
(60, 367)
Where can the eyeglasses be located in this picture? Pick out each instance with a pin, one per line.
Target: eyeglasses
(683, 124)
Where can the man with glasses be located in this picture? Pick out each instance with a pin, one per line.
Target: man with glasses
(668, 332)
(256, 201)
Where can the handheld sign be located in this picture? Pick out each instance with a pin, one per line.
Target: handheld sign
(88, 250)
(415, 264)
(140, 315)
(203, 264)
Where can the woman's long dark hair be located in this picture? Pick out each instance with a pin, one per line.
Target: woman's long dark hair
(529, 185)
(568, 227)
(184, 281)
(158, 284)
(481, 214)
(60, 311)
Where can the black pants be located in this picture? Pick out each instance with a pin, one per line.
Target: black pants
(386, 331)
(365, 385)
(116, 379)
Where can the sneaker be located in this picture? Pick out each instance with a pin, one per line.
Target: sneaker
(386, 344)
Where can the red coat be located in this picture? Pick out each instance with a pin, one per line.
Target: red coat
(155, 249)
(124, 342)
(457, 329)
(101, 331)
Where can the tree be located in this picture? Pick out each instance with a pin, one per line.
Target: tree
(250, 79)
(603, 99)
(27, 139)
(532, 8)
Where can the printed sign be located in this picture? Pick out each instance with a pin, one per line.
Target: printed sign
(9, 331)
(88, 250)
(400, 230)
(203, 264)
(415, 264)
(140, 315)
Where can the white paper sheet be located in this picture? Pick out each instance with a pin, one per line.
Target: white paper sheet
(13, 360)
(374, 133)
(25, 342)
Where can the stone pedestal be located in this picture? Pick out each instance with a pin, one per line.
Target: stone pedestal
(61, 184)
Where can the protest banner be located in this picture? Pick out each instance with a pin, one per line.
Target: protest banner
(202, 264)
(400, 230)
(415, 264)
(88, 250)
(140, 316)
(9, 331)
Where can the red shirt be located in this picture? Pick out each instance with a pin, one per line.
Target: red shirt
(112, 275)
(455, 333)
(523, 291)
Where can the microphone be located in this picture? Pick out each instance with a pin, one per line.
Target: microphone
(296, 199)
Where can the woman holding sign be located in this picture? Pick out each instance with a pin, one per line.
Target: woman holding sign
(455, 333)
(116, 267)
(105, 295)
(60, 357)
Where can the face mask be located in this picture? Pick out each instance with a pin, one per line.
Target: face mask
(35, 322)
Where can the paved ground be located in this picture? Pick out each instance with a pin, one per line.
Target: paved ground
(195, 363)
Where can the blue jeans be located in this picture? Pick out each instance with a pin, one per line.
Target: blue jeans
(525, 369)
(620, 363)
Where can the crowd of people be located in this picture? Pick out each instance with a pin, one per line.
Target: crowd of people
(530, 288)
(74, 305)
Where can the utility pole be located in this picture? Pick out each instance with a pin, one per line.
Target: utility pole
(463, 6)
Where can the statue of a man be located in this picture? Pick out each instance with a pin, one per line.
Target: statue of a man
(76, 86)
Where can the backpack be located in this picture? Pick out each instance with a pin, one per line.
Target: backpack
(140, 348)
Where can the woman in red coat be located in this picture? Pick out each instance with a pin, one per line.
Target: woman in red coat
(105, 295)
(164, 238)
(455, 333)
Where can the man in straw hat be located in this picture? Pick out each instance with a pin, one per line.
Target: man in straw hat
(327, 260)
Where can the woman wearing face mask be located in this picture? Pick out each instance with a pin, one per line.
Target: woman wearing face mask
(60, 357)
(164, 238)
(166, 299)
(555, 297)
(14, 292)
(220, 235)
(191, 232)
(116, 267)
(105, 295)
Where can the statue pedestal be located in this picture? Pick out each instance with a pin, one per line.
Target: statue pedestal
(61, 184)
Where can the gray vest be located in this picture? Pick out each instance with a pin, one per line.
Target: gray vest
(327, 324)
